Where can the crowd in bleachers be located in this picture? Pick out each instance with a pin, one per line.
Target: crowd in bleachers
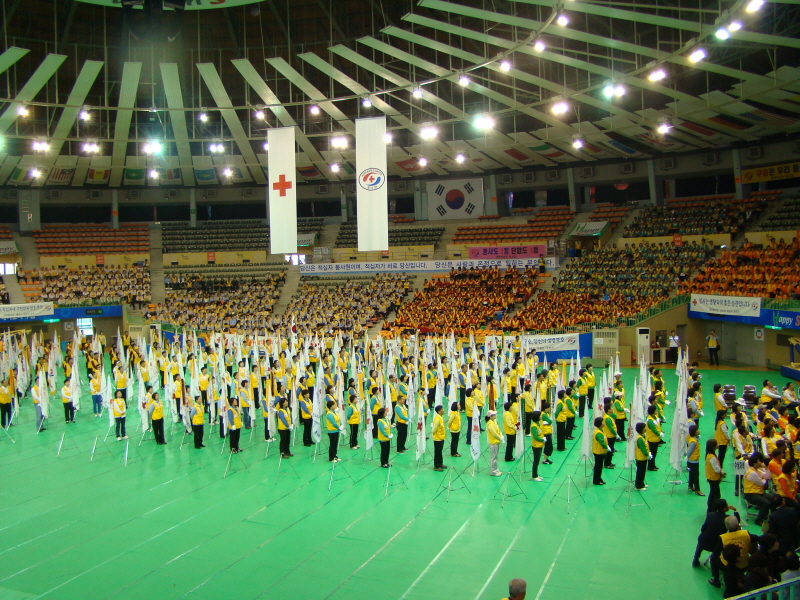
(466, 299)
(96, 285)
(344, 305)
(220, 304)
(769, 272)
(697, 216)
(4, 298)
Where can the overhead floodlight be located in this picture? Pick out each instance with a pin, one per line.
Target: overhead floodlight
(227, 172)
(754, 5)
(85, 115)
(735, 26)
(417, 93)
(153, 174)
(697, 55)
(339, 142)
(335, 168)
(463, 81)
(577, 143)
(483, 122)
(722, 33)
(657, 75)
(260, 115)
(266, 146)
(423, 162)
(314, 109)
(664, 127)
(559, 108)
(36, 173)
(40, 146)
(428, 133)
(539, 46)
(366, 103)
(460, 158)
(91, 148)
(152, 148)
(619, 90)
(216, 148)
(505, 66)
(562, 20)
(22, 111)
(202, 117)
(608, 90)
(387, 137)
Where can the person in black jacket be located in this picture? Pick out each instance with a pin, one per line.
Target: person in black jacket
(783, 522)
(713, 527)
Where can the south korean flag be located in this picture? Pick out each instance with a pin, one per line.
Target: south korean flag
(455, 199)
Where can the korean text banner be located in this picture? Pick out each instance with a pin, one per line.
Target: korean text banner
(8, 247)
(742, 306)
(26, 311)
(534, 251)
(399, 266)
(551, 343)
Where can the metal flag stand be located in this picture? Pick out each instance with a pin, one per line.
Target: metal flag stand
(228, 466)
(5, 430)
(588, 465)
(519, 469)
(94, 448)
(628, 492)
(269, 447)
(393, 485)
(452, 480)
(280, 464)
(570, 484)
(678, 474)
(622, 475)
(368, 454)
(503, 490)
(341, 478)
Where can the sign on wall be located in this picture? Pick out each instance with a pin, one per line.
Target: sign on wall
(455, 199)
(742, 306)
(773, 173)
(551, 343)
(416, 265)
(528, 251)
(589, 228)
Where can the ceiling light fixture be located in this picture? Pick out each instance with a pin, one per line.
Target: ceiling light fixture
(754, 5)
(227, 172)
(463, 81)
(153, 174)
(417, 93)
(85, 115)
(505, 66)
(260, 115)
(722, 33)
(339, 142)
(152, 148)
(697, 55)
(40, 146)
(335, 168)
(562, 20)
(428, 133)
(460, 158)
(559, 108)
(22, 111)
(266, 146)
(366, 103)
(657, 75)
(91, 148)
(423, 162)
(387, 137)
(577, 143)
(735, 26)
(314, 109)
(202, 117)
(484, 122)
(36, 173)
(664, 127)
(539, 46)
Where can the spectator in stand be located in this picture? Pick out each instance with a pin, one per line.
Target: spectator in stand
(96, 285)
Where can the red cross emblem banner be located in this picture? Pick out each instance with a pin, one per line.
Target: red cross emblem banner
(371, 185)
(282, 191)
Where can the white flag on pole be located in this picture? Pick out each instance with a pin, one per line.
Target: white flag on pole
(371, 184)
(475, 441)
(420, 432)
(282, 191)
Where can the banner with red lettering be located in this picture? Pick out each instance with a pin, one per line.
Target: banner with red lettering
(527, 251)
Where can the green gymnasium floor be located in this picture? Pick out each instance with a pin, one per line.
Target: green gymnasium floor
(169, 526)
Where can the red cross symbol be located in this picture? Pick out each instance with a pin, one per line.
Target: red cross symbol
(282, 185)
(419, 425)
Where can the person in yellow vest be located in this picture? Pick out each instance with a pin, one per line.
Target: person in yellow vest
(546, 423)
(787, 483)
(306, 410)
(119, 409)
(202, 383)
(333, 424)
(66, 400)
(755, 483)
(599, 449)
(540, 390)
(95, 390)
(721, 435)
(693, 460)
(255, 387)
(641, 456)
(572, 400)
(712, 344)
(384, 437)
(121, 380)
(401, 421)
(469, 411)
(583, 391)
(438, 434)
(234, 425)
(537, 444)
(353, 415)
(552, 382)
(653, 435)
(431, 377)
(156, 409)
(620, 411)
(35, 396)
(197, 416)
(374, 407)
(454, 426)
(5, 404)
(510, 421)
(610, 431)
(517, 588)
(478, 399)
(284, 418)
(561, 421)
(735, 537)
(245, 401)
(591, 384)
(714, 472)
(494, 437)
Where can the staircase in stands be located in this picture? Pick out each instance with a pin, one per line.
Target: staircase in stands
(288, 290)
(15, 294)
(157, 290)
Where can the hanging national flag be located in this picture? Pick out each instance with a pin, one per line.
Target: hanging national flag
(455, 199)
(371, 185)
(206, 176)
(134, 177)
(310, 173)
(98, 176)
(410, 165)
(173, 175)
(20, 176)
(772, 119)
(282, 191)
(61, 176)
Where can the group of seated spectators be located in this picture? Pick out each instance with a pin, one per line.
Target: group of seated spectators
(99, 284)
(4, 298)
(466, 299)
(747, 271)
(220, 304)
(702, 218)
(200, 283)
(349, 307)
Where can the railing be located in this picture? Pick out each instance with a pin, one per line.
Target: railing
(787, 590)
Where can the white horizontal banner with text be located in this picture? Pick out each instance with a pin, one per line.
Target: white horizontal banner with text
(740, 306)
(26, 311)
(8, 247)
(389, 266)
(550, 343)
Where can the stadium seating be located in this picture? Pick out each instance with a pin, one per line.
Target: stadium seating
(72, 240)
(88, 286)
(612, 213)
(768, 273)
(310, 225)
(5, 233)
(398, 236)
(548, 223)
(699, 216)
(786, 217)
(216, 236)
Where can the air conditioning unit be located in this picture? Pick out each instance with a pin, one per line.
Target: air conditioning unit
(53, 194)
(133, 195)
(753, 153)
(172, 193)
(552, 175)
(587, 172)
(401, 186)
(796, 147)
(93, 195)
(711, 158)
(13, 194)
(247, 193)
(530, 176)
(322, 189)
(507, 178)
(627, 168)
(210, 194)
(668, 164)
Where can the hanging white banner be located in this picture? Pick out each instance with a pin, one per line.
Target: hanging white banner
(371, 187)
(8, 247)
(25, 311)
(423, 265)
(282, 191)
(741, 306)
(455, 199)
(551, 343)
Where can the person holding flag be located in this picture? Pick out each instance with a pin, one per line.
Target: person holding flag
(600, 449)
(642, 455)
(374, 408)
(494, 437)
(547, 432)
(306, 411)
(561, 420)
(537, 444)
(654, 436)
(334, 426)
(66, 400)
(234, 424)
(6, 406)
(284, 427)
(454, 426)
(120, 410)
(438, 433)
(510, 426)
(197, 415)
(97, 397)
(156, 409)
(401, 422)
(384, 437)
(353, 415)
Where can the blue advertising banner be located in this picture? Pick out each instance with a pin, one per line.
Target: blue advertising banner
(785, 319)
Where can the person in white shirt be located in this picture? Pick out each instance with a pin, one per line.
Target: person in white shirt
(789, 396)
(674, 344)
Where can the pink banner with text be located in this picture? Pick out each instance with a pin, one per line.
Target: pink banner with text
(534, 251)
